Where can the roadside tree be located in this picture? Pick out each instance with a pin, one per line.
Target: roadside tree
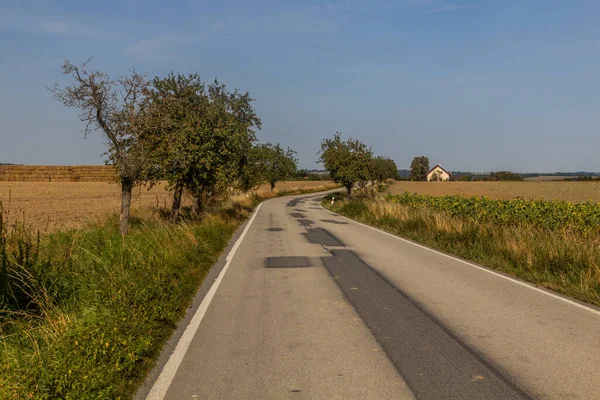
(349, 162)
(273, 163)
(228, 130)
(180, 102)
(384, 168)
(205, 136)
(250, 176)
(119, 108)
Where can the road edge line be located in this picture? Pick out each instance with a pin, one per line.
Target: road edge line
(164, 380)
(509, 278)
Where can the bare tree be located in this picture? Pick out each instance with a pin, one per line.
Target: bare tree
(117, 107)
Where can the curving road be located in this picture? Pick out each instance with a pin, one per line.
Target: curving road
(310, 305)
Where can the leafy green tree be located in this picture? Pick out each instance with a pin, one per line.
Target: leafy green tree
(119, 108)
(273, 163)
(204, 138)
(348, 162)
(250, 176)
(419, 168)
(384, 168)
(181, 101)
(228, 132)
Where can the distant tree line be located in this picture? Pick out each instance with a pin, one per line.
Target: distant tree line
(311, 175)
(492, 176)
(583, 178)
(199, 137)
(565, 174)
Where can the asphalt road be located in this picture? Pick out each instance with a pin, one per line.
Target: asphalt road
(310, 305)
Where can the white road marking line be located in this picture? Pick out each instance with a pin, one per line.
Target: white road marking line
(518, 282)
(162, 384)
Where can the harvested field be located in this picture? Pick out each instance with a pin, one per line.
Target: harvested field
(51, 206)
(569, 191)
(34, 173)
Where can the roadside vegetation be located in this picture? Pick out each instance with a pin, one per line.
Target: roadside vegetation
(200, 138)
(552, 244)
(84, 312)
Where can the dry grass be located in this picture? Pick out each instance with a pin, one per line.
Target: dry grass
(569, 191)
(52, 206)
(560, 260)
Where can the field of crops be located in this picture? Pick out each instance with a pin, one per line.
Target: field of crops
(568, 191)
(552, 215)
(52, 206)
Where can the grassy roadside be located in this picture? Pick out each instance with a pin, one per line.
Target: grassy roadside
(565, 260)
(84, 313)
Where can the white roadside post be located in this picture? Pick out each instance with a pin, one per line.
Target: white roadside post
(332, 200)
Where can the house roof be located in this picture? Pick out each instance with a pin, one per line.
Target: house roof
(440, 167)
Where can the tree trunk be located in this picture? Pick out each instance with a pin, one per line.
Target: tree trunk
(349, 189)
(273, 185)
(126, 189)
(197, 207)
(178, 192)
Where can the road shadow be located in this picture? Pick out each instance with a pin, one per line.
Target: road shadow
(323, 237)
(305, 222)
(414, 340)
(294, 202)
(333, 221)
(297, 215)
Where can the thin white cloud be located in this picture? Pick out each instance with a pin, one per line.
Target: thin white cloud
(37, 24)
(445, 8)
(281, 22)
(159, 44)
(67, 28)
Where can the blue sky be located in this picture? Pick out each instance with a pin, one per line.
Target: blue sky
(473, 85)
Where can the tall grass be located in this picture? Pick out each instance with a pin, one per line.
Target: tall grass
(564, 260)
(85, 317)
(84, 313)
